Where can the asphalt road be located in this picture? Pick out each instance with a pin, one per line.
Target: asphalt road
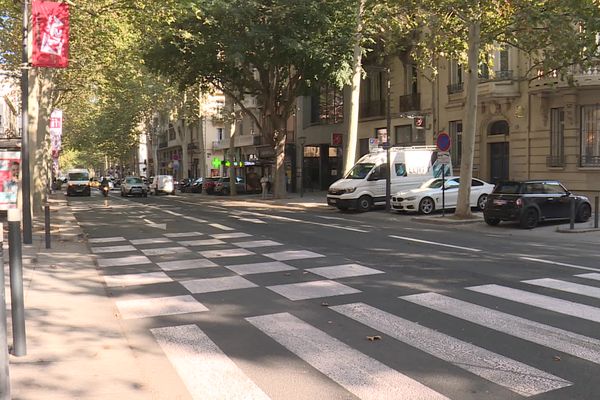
(245, 300)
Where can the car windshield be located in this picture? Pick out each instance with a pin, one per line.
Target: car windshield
(79, 176)
(432, 184)
(134, 180)
(508, 188)
(360, 171)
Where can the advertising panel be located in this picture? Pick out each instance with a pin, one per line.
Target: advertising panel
(10, 168)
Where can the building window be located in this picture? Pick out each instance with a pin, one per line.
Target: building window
(327, 106)
(499, 128)
(557, 128)
(372, 102)
(219, 134)
(456, 78)
(456, 130)
(412, 79)
(407, 136)
(171, 132)
(590, 136)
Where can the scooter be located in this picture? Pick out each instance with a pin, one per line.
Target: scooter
(105, 190)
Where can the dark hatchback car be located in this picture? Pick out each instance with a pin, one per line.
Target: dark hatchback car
(530, 202)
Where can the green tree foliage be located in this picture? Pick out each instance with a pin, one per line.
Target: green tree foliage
(271, 49)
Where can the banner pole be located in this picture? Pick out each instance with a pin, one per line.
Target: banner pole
(25, 171)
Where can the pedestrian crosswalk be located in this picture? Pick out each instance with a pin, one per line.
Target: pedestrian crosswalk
(232, 262)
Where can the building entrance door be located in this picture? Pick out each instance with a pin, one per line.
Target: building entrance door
(499, 155)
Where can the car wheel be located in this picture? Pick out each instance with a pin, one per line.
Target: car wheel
(529, 219)
(492, 221)
(364, 203)
(481, 201)
(426, 206)
(584, 213)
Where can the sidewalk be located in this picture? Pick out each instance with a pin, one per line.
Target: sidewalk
(75, 345)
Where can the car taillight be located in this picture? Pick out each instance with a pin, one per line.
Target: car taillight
(519, 202)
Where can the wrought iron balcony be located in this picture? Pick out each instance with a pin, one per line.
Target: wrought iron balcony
(409, 102)
(456, 88)
(505, 75)
(555, 161)
(590, 161)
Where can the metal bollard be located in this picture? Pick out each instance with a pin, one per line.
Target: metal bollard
(597, 212)
(572, 213)
(4, 365)
(47, 225)
(15, 257)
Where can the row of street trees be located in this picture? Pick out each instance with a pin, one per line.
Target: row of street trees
(131, 58)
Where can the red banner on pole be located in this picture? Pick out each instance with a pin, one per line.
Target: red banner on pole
(50, 34)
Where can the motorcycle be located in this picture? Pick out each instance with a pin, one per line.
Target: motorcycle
(105, 190)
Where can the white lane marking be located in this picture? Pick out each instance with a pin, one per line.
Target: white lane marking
(226, 253)
(173, 213)
(344, 271)
(182, 234)
(565, 286)
(253, 220)
(545, 335)
(186, 264)
(123, 261)
(150, 241)
(107, 239)
(559, 263)
(113, 249)
(233, 235)
(145, 278)
(511, 374)
(312, 290)
(164, 250)
(361, 375)
(200, 220)
(293, 255)
(221, 227)
(154, 307)
(434, 243)
(259, 268)
(201, 242)
(206, 371)
(217, 284)
(593, 275)
(537, 300)
(257, 243)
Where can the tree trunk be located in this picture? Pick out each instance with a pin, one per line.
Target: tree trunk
(230, 156)
(463, 207)
(279, 188)
(350, 157)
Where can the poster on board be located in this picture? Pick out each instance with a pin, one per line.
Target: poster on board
(10, 169)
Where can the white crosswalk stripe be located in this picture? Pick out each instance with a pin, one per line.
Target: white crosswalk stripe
(513, 375)
(545, 335)
(206, 371)
(537, 300)
(365, 377)
(565, 286)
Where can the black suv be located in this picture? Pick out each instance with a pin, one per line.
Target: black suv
(529, 202)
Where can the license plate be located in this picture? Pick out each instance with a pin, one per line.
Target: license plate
(500, 202)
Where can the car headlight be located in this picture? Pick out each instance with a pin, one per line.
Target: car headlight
(411, 198)
(350, 190)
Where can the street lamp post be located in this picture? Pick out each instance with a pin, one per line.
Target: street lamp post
(388, 182)
(302, 141)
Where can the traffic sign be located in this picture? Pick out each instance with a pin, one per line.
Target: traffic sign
(443, 157)
(419, 122)
(443, 141)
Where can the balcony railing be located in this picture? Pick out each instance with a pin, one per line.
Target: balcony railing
(555, 161)
(505, 75)
(590, 161)
(456, 88)
(409, 102)
(372, 109)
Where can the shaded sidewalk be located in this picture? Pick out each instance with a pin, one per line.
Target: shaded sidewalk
(76, 348)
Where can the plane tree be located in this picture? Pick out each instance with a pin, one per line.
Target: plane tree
(272, 50)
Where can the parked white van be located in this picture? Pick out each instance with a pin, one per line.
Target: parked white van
(364, 185)
(162, 184)
(78, 182)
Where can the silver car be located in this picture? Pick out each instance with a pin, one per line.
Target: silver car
(134, 186)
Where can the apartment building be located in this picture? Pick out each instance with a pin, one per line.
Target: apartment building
(527, 127)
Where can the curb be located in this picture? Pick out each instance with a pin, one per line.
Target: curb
(446, 220)
(577, 230)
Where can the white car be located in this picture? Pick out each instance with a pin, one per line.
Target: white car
(428, 198)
